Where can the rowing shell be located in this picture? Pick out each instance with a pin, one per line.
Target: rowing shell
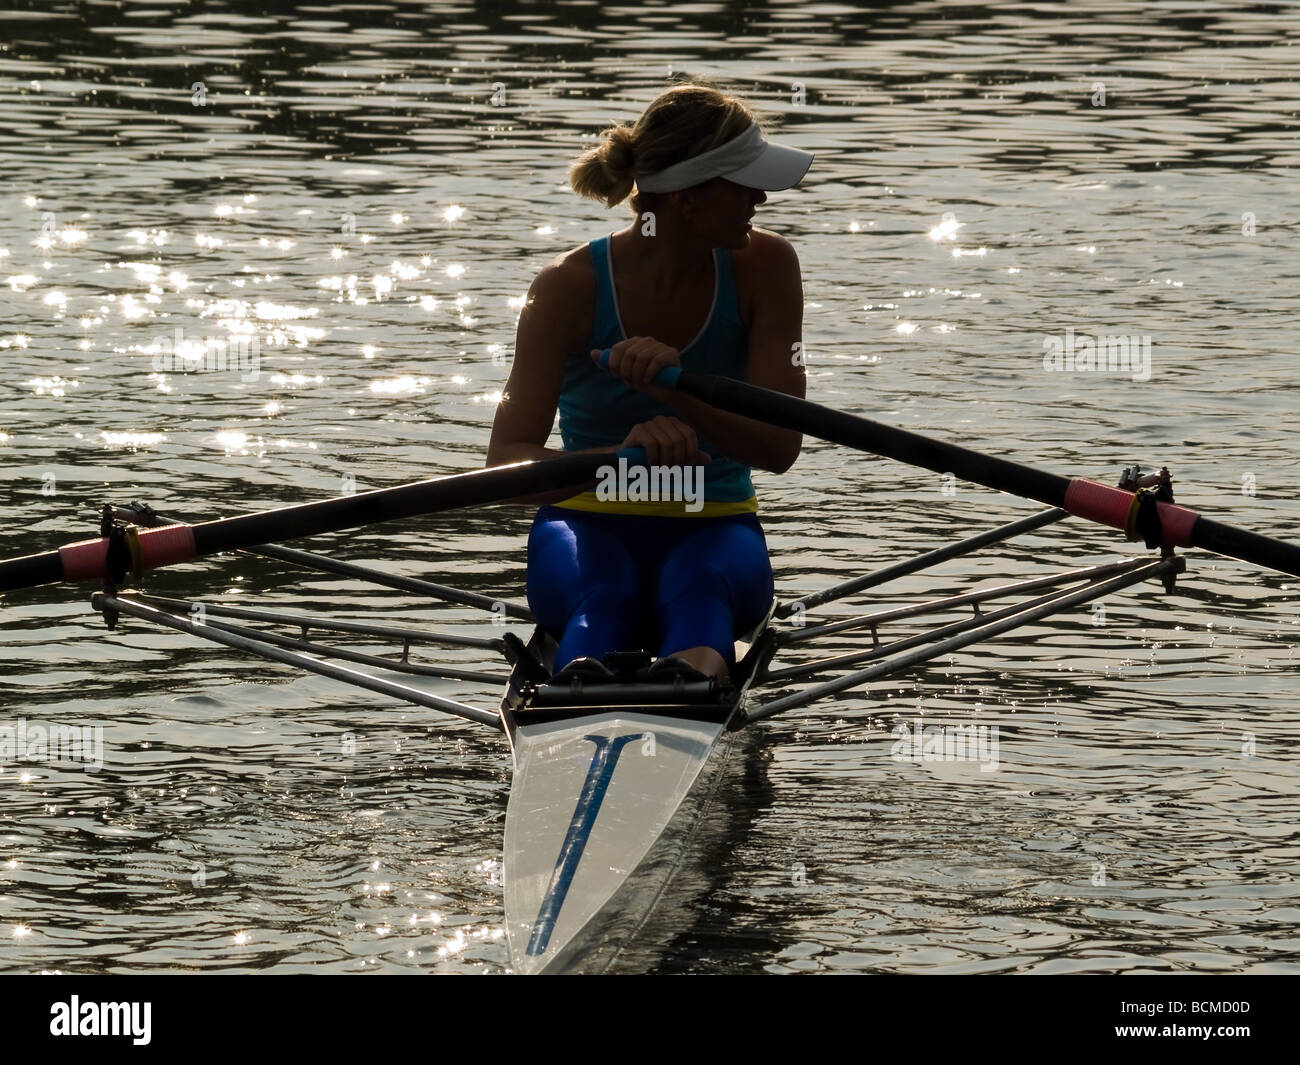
(608, 785)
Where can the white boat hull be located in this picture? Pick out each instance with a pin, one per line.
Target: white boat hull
(570, 866)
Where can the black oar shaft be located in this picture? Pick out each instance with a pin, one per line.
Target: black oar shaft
(390, 504)
(1081, 497)
(1249, 546)
(30, 571)
(177, 543)
(790, 412)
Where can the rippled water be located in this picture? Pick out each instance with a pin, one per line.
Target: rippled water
(368, 190)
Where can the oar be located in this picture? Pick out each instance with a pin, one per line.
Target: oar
(145, 549)
(1120, 509)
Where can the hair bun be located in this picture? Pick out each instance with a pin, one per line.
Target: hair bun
(620, 150)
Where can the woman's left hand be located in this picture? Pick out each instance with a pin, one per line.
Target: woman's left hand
(638, 360)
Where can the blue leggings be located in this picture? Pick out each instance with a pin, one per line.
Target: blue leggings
(612, 582)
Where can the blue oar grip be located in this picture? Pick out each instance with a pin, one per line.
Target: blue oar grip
(665, 378)
(636, 456)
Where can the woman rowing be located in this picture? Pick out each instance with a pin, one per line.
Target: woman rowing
(688, 283)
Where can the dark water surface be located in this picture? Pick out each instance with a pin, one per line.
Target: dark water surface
(367, 190)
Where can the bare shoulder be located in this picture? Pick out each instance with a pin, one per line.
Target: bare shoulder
(767, 269)
(567, 276)
(768, 249)
(561, 299)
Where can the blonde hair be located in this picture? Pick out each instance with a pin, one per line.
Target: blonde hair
(680, 123)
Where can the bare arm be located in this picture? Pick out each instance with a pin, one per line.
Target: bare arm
(545, 334)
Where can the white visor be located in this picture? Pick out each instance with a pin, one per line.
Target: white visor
(747, 160)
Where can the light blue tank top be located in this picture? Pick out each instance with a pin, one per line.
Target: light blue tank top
(598, 410)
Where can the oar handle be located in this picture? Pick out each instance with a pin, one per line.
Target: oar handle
(665, 378)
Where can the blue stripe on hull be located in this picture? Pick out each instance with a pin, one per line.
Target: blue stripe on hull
(599, 774)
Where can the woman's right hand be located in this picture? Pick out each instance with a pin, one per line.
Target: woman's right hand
(667, 442)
